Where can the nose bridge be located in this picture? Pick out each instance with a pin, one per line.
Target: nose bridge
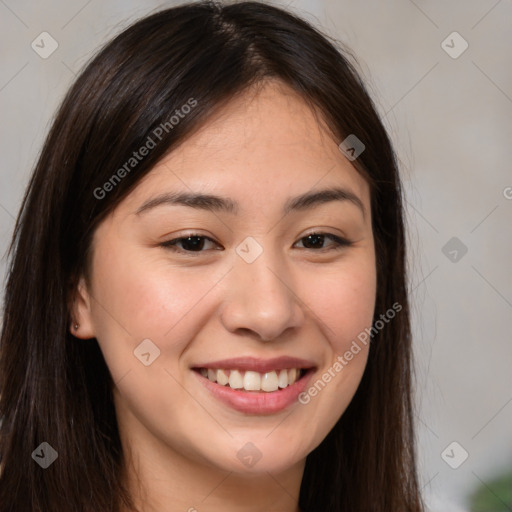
(260, 295)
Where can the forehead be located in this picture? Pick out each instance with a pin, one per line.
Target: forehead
(265, 143)
(268, 116)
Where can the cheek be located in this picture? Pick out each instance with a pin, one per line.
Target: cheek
(141, 298)
(344, 302)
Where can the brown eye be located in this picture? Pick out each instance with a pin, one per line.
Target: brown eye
(317, 240)
(193, 243)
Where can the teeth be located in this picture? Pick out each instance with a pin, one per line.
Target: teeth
(269, 382)
(283, 378)
(222, 377)
(252, 381)
(235, 380)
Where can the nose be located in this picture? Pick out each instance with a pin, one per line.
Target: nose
(260, 299)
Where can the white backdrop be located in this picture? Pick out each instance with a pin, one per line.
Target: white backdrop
(449, 111)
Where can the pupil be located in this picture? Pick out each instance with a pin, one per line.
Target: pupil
(194, 243)
(312, 241)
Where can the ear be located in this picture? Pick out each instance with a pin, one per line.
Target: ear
(81, 315)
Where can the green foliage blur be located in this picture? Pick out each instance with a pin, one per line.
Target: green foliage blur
(494, 496)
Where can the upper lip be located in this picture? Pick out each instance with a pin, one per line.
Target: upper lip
(257, 364)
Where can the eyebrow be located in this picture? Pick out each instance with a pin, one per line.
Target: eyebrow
(216, 203)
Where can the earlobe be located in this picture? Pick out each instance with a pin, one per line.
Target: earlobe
(81, 315)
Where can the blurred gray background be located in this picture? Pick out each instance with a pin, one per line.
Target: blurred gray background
(441, 75)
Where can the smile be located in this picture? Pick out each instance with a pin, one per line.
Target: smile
(252, 380)
(253, 385)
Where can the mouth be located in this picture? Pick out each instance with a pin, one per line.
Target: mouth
(256, 386)
(252, 381)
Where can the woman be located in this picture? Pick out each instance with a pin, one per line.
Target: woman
(206, 307)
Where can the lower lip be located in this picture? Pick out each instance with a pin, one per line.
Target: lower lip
(256, 402)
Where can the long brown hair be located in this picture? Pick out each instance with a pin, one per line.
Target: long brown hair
(57, 390)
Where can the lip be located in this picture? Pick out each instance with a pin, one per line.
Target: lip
(257, 402)
(258, 365)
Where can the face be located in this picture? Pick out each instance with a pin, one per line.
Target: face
(232, 280)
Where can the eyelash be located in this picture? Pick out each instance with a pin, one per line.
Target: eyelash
(339, 243)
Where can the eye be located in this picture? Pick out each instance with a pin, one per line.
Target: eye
(316, 241)
(191, 243)
(195, 243)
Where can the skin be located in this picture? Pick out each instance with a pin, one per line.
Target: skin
(181, 443)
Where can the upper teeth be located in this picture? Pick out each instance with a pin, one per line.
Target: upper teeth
(253, 381)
